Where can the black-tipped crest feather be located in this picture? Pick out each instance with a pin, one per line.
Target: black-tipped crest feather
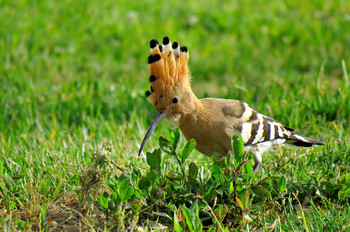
(166, 40)
(155, 58)
(183, 49)
(148, 93)
(153, 43)
(175, 45)
(152, 78)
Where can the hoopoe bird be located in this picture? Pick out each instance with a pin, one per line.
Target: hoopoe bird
(211, 122)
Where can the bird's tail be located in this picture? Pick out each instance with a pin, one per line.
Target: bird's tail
(302, 141)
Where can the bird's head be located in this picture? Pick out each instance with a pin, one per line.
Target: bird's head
(170, 83)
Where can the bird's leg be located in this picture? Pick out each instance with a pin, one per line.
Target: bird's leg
(256, 167)
(258, 162)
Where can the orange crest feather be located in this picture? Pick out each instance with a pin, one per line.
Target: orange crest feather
(168, 65)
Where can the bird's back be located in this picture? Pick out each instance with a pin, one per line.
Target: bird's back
(218, 120)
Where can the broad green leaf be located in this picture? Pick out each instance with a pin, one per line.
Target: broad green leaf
(126, 193)
(123, 180)
(216, 170)
(192, 219)
(192, 172)
(165, 145)
(154, 159)
(113, 189)
(13, 205)
(232, 189)
(144, 183)
(21, 198)
(239, 186)
(152, 177)
(261, 191)
(248, 171)
(238, 147)
(190, 145)
(246, 199)
(124, 183)
(138, 194)
(282, 184)
(103, 202)
(125, 190)
(176, 138)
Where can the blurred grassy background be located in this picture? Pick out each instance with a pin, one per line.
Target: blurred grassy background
(71, 62)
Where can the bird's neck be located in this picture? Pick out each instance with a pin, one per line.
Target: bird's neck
(191, 108)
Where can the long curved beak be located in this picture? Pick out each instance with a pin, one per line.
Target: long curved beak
(157, 119)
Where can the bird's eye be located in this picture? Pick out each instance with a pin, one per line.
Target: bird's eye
(175, 100)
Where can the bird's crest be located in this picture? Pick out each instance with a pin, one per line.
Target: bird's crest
(168, 66)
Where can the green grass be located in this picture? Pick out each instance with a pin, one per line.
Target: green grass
(73, 76)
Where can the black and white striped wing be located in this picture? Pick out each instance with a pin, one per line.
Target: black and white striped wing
(257, 128)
